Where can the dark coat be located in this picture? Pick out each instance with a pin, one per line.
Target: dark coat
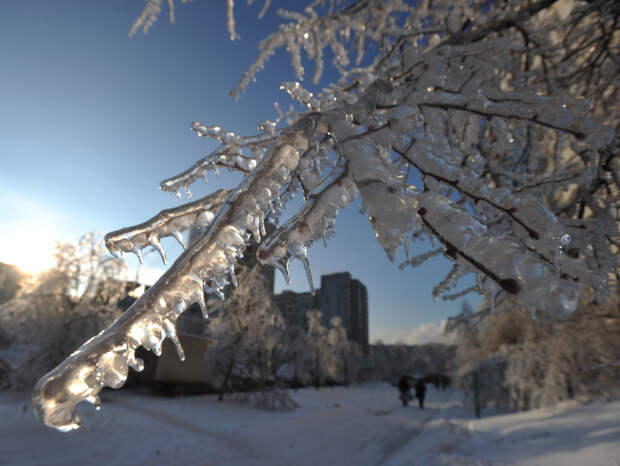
(420, 389)
(403, 384)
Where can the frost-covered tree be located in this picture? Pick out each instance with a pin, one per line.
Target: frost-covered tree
(486, 126)
(296, 356)
(54, 312)
(340, 352)
(316, 339)
(244, 333)
(526, 361)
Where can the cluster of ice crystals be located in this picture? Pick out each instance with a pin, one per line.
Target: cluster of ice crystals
(301, 95)
(216, 132)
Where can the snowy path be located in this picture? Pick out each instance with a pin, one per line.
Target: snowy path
(359, 426)
(362, 426)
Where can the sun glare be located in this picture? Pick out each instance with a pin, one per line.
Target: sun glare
(31, 250)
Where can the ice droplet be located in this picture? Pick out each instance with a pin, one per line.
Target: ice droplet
(565, 239)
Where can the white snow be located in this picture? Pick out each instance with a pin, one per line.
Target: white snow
(361, 425)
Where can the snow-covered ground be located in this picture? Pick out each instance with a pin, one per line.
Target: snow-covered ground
(362, 425)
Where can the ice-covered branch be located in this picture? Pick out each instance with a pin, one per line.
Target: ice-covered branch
(421, 258)
(230, 19)
(229, 155)
(541, 110)
(313, 32)
(505, 260)
(169, 222)
(150, 14)
(314, 221)
(206, 266)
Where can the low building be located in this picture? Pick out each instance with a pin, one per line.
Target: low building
(294, 307)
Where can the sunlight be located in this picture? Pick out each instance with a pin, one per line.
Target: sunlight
(30, 249)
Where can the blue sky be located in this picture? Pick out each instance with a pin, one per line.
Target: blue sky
(91, 121)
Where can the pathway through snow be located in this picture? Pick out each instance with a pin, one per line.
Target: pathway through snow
(361, 425)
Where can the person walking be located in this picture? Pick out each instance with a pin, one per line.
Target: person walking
(420, 392)
(405, 389)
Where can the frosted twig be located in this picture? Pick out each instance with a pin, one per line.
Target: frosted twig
(453, 296)
(420, 258)
(228, 156)
(230, 19)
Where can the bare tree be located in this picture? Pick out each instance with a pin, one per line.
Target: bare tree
(485, 126)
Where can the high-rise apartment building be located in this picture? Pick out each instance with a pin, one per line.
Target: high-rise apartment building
(359, 314)
(347, 298)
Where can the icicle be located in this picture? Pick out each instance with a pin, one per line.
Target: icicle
(175, 339)
(262, 229)
(199, 297)
(138, 252)
(254, 229)
(198, 294)
(179, 237)
(137, 364)
(284, 267)
(407, 249)
(419, 259)
(95, 401)
(188, 192)
(159, 248)
(304, 260)
(233, 278)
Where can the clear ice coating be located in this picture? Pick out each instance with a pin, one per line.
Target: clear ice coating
(169, 222)
(208, 263)
(315, 220)
(104, 360)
